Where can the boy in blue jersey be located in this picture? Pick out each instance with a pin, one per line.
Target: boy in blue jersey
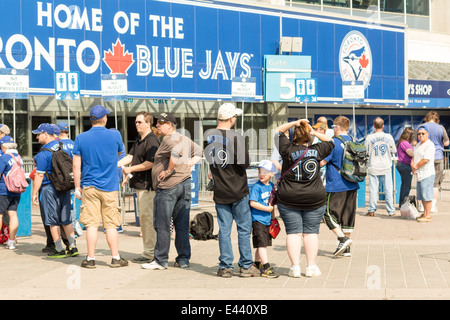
(54, 205)
(95, 157)
(341, 193)
(261, 217)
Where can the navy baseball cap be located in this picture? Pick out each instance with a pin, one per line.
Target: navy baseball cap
(98, 112)
(6, 139)
(63, 126)
(44, 127)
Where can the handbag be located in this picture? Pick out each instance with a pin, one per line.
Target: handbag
(273, 194)
(274, 228)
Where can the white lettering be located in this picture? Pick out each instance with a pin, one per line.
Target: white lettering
(87, 44)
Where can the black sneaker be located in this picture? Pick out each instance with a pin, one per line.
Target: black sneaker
(57, 254)
(347, 252)
(72, 252)
(118, 263)
(88, 264)
(344, 242)
(269, 273)
(141, 260)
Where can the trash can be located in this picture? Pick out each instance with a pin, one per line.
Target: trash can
(24, 212)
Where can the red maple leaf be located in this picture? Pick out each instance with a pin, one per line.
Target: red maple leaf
(363, 61)
(119, 60)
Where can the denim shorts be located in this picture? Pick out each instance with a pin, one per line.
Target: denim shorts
(301, 221)
(425, 189)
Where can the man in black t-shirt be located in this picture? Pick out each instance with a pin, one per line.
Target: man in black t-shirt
(228, 158)
(141, 157)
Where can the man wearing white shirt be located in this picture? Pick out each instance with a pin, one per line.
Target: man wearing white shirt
(422, 165)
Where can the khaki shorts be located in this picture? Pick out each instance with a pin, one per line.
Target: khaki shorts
(439, 172)
(99, 206)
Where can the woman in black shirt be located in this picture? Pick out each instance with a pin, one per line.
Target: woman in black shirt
(301, 195)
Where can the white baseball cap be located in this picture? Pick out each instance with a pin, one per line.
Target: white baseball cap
(227, 111)
(267, 165)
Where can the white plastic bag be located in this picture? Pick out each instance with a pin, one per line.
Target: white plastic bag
(409, 211)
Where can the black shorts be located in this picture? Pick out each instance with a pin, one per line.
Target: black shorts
(261, 235)
(341, 210)
(8, 204)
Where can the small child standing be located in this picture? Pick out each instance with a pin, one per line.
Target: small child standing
(261, 217)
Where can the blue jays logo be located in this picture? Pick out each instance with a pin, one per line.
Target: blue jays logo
(355, 58)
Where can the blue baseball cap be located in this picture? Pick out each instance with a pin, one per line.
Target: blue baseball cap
(44, 127)
(423, 127)
(6, 139)
(56, 129)
(98, 112)
(63, 126)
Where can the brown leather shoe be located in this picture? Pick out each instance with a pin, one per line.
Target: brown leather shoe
(370, 214)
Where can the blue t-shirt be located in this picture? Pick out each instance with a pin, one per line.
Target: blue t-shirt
(99, 150)
(6, 163)
(260, 193)
(43, 160)
(436, 135)
(68, 145)
(334, 181)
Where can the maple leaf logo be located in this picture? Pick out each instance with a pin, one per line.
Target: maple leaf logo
(363, 61)
(119, 60)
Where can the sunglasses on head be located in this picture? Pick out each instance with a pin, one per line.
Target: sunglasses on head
(162, 122)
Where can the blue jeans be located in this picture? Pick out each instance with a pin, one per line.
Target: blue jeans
(406, 176)
(173, 203)
(386, 181)
(240, 212)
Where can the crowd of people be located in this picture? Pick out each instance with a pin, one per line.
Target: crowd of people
(306, 165)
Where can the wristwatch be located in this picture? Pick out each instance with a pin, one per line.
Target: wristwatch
(169, 173)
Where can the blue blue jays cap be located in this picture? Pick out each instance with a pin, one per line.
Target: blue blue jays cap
(98, 112)
(44, 127)
(63, 126)
(56, 129)
(6, 139)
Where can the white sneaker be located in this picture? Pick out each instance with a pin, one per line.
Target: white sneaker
(11, 245)
(312, 271)
(152, 266)
(295, 272)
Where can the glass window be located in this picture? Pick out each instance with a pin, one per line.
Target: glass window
(21, 104)
(337, 3)
(364, 4)
(419, 7)
(35, 122)
(21, 131)
(397, 6)
(308, 1)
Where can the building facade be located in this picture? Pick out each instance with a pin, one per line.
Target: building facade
(182, 56)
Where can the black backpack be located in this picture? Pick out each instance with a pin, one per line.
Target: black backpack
(202, 226)
(62, 170)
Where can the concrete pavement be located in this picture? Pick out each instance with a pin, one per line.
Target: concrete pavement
(392, 258)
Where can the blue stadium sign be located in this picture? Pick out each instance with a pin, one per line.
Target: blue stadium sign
(194, 49)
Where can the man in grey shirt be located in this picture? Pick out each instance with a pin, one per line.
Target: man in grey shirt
(171, 174)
